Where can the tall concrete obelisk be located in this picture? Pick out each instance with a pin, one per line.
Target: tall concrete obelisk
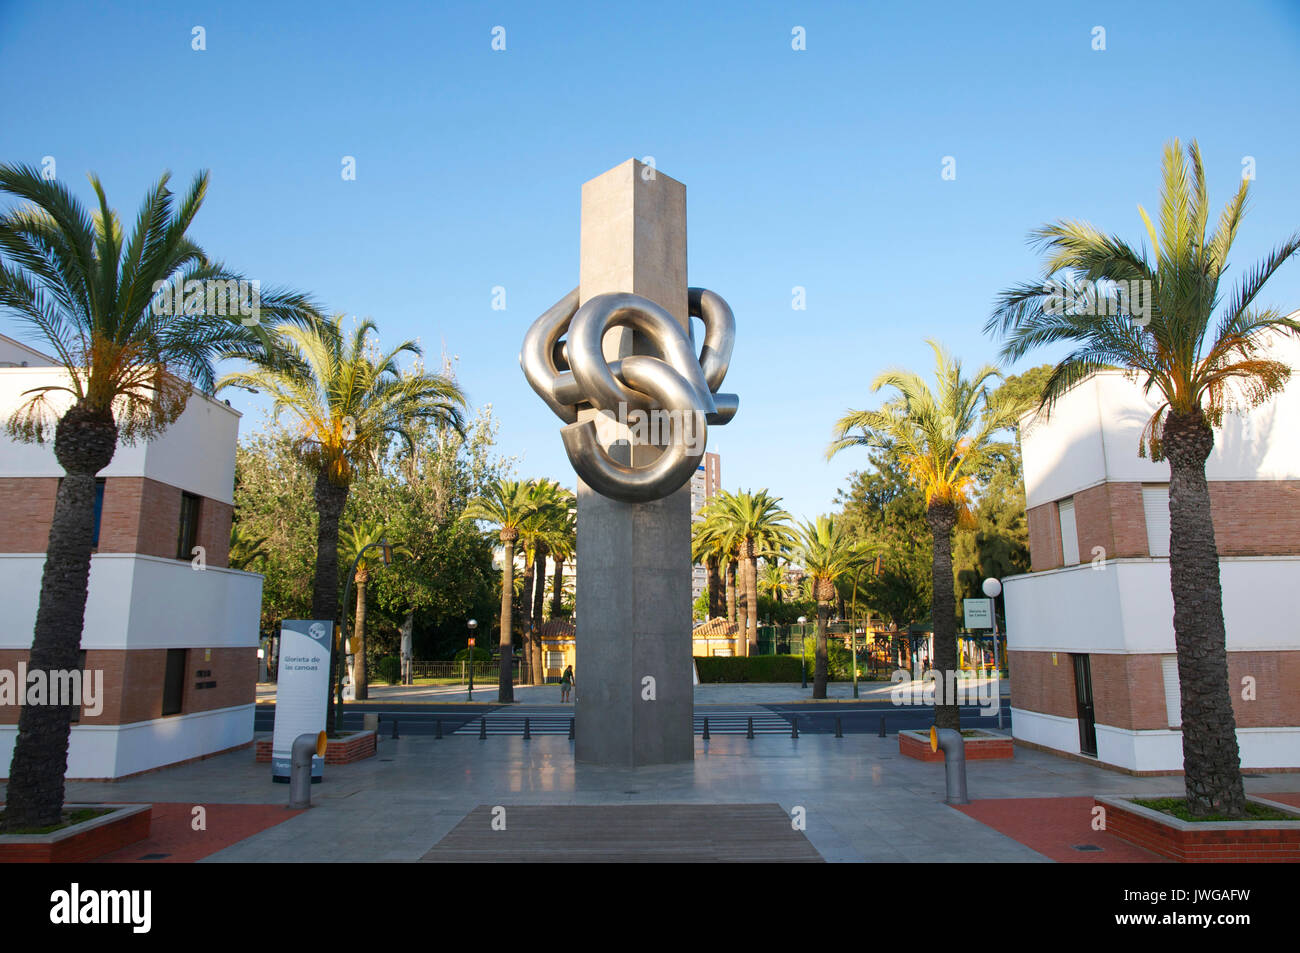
(634, 698)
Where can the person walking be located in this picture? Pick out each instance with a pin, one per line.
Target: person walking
(566, 685)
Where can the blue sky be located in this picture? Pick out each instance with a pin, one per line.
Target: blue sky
(817, 168)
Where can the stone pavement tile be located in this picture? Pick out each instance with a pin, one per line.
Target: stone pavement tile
(861, 796)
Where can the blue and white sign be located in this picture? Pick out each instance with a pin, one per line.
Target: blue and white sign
(302, 691)
(978, 613)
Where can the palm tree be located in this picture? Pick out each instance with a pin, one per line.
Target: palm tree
(353, 541)
(102, 302)
(554, 538)
(350, 400)
(943, 439)
(772, 579)
(549, 500)
(506, 504)
(1202, 353)
(563, 544)
(749, 523)
(246, 549)
(827, 555)
(709, 547)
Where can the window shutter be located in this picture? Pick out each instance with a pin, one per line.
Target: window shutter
(1155, 505)
(1069, 532)
(1173, 701)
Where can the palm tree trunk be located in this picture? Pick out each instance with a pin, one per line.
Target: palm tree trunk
(360, 688)
(330, 500)
(505, 684)
(526, 615)
(742, 605)
(557, 584)
(717, 602)
(539, 600)
(942, 517)
(751, 600)
(731, 591)
(819, 664)
(1211, 758)
(84, 443)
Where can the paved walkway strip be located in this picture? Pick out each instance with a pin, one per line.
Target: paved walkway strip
(631, 833)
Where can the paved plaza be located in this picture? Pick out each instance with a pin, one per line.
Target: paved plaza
(861, 800)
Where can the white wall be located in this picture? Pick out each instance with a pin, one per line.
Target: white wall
(1128, 606)
(140, 602)
(196, 453)
(111, 751)
(1092, 436)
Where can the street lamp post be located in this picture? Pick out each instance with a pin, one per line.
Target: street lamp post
(387, 553)
(992, 587)
(803, 648)
(472, 624)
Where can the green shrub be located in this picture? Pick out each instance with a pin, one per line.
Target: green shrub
(755, 668)
(838, 665)
(480, 654)
(389, 669)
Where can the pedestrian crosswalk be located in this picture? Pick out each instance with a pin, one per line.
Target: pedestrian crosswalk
(735, 721)
(554, 720)
(542, 720)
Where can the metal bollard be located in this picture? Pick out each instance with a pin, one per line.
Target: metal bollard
(882, 726)
(949, 742)
(528, 734)
(570, 729)
(437, 728)
(839, 732)
(370, 721)
(394, 727)
(482, 728)
(749, 728)
(794, 727)
(304, 747)
(706, 729)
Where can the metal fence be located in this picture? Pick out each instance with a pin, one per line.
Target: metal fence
(460, 670)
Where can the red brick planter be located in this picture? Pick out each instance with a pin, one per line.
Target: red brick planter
(1204, 842)
(985, 746)
(126, 825)
(356, 746)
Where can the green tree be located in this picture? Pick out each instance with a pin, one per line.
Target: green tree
(827, 555)
(506, 504)
(349, 400)
(103, 302)
(747, 524)
(354, 541)
(944, 439)
(1202, 347)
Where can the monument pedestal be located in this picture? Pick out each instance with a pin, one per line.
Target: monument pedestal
(635, 699)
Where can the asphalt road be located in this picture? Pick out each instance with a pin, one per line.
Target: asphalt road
(856, 717)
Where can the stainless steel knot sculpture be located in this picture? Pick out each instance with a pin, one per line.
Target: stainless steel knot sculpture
(671, 388)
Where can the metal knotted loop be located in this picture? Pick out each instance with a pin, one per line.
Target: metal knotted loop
(672, 383)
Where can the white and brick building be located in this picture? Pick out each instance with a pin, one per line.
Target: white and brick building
(177, 644)
(1090, 628)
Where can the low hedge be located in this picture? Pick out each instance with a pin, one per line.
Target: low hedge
(755, 668)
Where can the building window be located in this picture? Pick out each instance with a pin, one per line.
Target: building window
(1069, 533)
(554, 659)
(174, 682)
(1155, 508)
(99, 509)
(189, 528)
